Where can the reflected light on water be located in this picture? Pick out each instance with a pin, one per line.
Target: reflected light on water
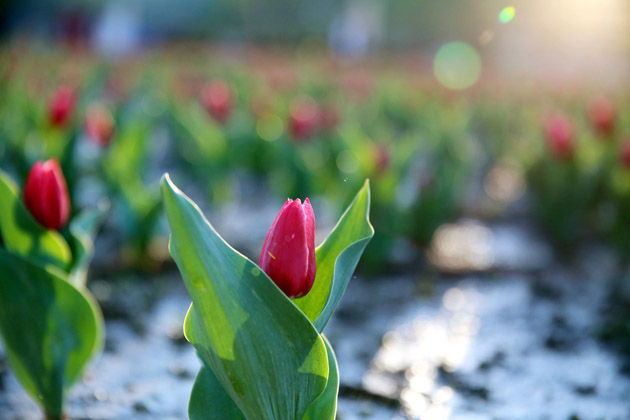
(462, 246)
(409, 362)
(505, 183)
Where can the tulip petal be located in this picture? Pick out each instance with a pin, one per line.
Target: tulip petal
(287, 251)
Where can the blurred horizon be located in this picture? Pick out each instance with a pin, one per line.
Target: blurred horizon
(561, 42)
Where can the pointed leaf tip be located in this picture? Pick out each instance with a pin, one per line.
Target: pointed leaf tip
(337, 257)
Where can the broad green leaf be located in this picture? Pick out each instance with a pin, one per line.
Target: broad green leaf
(336, 259)
(50, 329)
(23, 235)
(263, 350)
(209, 401)
(325, 406)
(83, 229)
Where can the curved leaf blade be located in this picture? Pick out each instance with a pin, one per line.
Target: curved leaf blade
(263, 350)
(325, 406)
(50, 329)
(23, 235)
(209, 401)
(337, 258)
(83, 229)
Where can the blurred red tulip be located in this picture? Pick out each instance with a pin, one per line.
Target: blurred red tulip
(216, 97)
(328, 118)
(303, 118)
(381, 159)
(99, 124)
(625, 154)
(288, 254)
(559, 134)
(602, 114)
(46, 194)
(61, 106)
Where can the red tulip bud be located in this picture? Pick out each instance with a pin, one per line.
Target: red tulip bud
(99, 124)
(559, 133)
(625, 154)
(602, 114)
(46, 194)
(288, 254)
(61, 105)
(217, 99)
(303, 117)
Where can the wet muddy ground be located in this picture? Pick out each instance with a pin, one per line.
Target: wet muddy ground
(508, 334)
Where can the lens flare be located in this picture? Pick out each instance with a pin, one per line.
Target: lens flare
(507, 14)
(457, 65)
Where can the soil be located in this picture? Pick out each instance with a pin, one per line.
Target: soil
(513, 338)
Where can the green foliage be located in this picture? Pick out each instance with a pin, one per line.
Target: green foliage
(50, 324)
(256, 344)
(82, 229)
(49, 327)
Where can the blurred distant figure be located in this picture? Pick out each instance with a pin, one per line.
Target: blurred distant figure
(75, 28)
(354, 30)
(117, 31)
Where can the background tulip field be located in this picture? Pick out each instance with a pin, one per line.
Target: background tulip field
(497, 283)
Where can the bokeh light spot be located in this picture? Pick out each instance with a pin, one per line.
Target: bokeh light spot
(486, 36)
(457, 65)
(507, 14)
(347, 162)
(269, 127)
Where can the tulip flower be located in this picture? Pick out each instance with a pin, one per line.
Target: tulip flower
(559, 134)
(99, 124)
(602, 114)
(288, 254)
(328, 118)
(46, 194)
(216, 97)
(61, 105)
(303, 118)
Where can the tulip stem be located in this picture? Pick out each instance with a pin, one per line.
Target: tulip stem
(50, 416)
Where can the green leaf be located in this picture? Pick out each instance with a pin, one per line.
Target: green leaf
(209, 401)
(23, 235)
(83, 229)
(127, 155)
(325, 406)
(337, 258)
(50, 329)
(263, 350)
